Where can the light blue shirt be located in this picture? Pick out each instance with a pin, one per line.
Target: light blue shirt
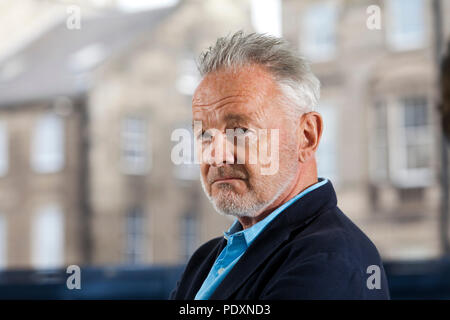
(237, 244)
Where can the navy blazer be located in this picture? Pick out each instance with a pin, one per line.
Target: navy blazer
(311, 250)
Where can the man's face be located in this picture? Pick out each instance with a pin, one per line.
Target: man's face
(246, 101)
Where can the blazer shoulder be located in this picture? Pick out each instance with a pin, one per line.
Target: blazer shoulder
(334, 233)
(206, 248)
(326, 260)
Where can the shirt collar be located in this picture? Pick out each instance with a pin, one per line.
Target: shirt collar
(251, 233)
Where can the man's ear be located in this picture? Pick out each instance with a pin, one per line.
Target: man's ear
(310, 132)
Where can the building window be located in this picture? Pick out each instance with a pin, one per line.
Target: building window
(135, 149)
(405, 29)
(318, 36)
(48, 238)
(3, 242)
(4, 149)
(266, 16)
(327, 152)
(411, 143)
(135, 236)
(378, 151)
(189, 235)
(47, 154)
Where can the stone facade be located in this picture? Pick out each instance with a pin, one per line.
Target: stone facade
(401, 217)
(155, 212)
(24, 191)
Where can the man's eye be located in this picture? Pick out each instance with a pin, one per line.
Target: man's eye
(247, 131)
(204, 135)
(241, 130)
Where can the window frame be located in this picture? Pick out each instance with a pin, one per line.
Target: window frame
(44, 159)
(396, 160)
(3, 241)
(135, 140)
(314, 50)
(189, 247)
(400, 175)
(398, 41)
(4, 148)
(38, 254)
(135, 221)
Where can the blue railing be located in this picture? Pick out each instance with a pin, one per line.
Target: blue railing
(121, 282)
(407, 280)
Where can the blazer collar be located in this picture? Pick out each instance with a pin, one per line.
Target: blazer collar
(271, 238)
(203, 270)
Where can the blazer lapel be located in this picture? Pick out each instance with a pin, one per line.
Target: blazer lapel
(262, 247)
(203, 270)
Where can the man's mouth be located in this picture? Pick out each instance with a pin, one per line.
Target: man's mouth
(228, 179)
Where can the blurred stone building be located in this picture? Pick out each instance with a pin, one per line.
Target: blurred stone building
(382, 134)
(87, 117)
(85, 137)
(145, 208)
(45, 209)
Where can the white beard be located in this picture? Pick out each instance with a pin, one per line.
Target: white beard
(249, 205)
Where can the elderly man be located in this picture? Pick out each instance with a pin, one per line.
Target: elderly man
(289, 239)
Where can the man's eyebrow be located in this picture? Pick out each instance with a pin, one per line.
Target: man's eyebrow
(235, 117)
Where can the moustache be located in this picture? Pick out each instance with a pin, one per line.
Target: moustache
(219, 173)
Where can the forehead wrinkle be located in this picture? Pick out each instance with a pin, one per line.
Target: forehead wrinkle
(249, 85)
(209, 108)
(197, 105)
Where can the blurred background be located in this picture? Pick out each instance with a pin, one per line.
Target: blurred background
(91, 91)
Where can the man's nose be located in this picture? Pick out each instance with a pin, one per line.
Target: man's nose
(220, 151)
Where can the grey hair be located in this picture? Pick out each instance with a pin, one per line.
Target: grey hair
(299, 85)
